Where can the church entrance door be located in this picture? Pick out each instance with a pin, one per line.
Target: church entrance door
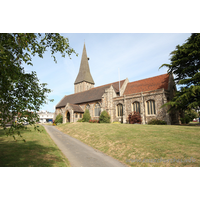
(68, 117)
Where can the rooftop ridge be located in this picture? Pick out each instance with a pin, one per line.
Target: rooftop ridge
(93, 88)
(107, 84)
(149, 78)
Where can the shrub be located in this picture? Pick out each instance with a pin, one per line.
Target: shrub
(86, 116)
(80, 120)
(104, 117)
(157, 122)
(59, 119)
(134, 117)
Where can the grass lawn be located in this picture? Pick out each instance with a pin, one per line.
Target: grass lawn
(141, 145)
(39, 150)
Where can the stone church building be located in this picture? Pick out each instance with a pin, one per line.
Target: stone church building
(119, 99)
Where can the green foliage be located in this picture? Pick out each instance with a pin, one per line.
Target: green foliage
(157, 122)
(185, 66)
(20, 91)
(189, 115)
(86, 116)
(104, 117)
(59, 119)
(80, 120)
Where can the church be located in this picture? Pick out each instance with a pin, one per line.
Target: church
(119, 99)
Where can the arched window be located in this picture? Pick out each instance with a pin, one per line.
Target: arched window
(151, 109)
(87, 107)
(97, 110)
(119, 110)
(136, 107)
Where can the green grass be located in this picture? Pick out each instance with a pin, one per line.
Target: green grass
(137, 145)
(39, 150)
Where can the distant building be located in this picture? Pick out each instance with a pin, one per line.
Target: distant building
(45, 116)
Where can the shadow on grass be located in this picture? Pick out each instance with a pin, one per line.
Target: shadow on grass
(27, 154)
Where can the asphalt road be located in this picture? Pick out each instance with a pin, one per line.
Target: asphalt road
(80, 154)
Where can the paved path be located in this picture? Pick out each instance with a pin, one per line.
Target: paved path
(80, 154)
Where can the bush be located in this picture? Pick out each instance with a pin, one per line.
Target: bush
(80, 120)
(134, 117)
(59, 119)
(93, 121)
(104, 117)
(157, 122)
(86, 116)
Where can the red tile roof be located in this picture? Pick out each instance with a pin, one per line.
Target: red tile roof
(148, 84)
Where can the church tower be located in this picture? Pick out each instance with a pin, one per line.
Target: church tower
(84, 80)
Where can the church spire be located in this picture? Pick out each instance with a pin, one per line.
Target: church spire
(84, 74)
(84, 80)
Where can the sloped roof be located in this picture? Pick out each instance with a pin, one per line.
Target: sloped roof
(93, 94)
(84, 70)
(76, 108)
(148, 84)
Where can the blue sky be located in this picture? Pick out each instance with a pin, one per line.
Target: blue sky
(136, 55)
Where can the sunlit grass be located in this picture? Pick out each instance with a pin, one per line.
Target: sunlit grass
(141, 145)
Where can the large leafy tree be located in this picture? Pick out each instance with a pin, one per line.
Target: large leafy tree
(185, 66)
(21, 94)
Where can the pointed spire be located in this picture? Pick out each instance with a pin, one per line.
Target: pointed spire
(84, 70)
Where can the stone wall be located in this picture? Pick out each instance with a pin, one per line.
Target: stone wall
(123, 87)
(92, 108)
(107, 101)
(159, 96)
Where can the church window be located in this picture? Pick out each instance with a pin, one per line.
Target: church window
(76, 115)
(81, 115)
(97, 110)
(151, 109)
(119, 110)
(136, 107)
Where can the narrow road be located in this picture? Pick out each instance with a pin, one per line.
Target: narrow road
(78, 153)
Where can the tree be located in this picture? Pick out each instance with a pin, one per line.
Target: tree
(86, 116)
(185, 66)
(59, 119)
(19, 91)
(104, 117)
